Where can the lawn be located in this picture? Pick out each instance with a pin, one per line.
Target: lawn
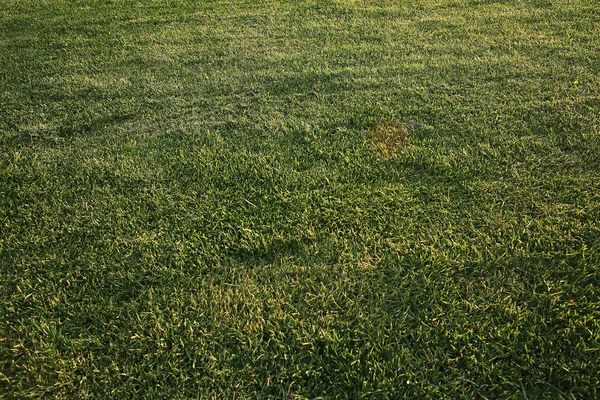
(300, 199)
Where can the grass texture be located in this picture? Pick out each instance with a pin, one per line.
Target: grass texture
(194, 202)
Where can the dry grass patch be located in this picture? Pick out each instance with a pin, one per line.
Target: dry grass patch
(388, 138)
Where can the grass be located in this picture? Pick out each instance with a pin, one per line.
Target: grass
(191, 205)
(388, 138)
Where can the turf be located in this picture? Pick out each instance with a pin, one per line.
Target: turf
(194, 203)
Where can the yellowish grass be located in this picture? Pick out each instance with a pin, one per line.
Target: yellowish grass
(388, 138)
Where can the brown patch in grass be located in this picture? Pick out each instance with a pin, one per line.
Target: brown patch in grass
(388, 138)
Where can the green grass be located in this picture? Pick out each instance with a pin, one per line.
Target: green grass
(191, 207)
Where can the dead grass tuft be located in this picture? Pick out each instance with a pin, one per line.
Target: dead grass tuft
(388, 138)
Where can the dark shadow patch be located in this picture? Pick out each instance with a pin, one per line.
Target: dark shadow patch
(311, 84)
(270, 252)
(76, 128)
(41, 135)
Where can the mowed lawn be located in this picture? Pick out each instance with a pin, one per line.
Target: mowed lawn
(195, 201)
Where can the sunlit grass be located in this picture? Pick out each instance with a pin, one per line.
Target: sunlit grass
(329, 199)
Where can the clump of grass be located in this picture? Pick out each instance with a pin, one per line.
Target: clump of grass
(388, 138)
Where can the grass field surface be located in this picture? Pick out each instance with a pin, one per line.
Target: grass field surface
(300, 199)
